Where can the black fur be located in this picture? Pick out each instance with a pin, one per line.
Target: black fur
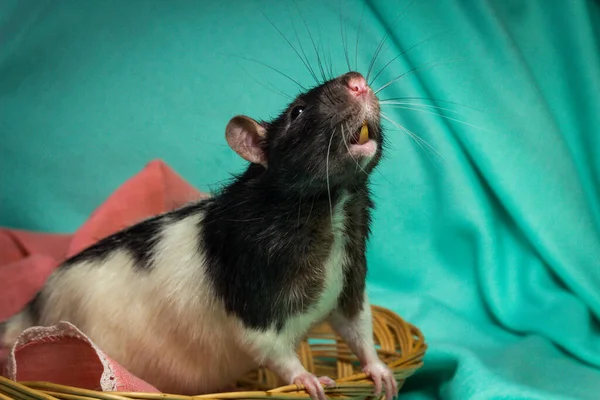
(139, 240)
(358, 230)
(34, 307)
(268, 233)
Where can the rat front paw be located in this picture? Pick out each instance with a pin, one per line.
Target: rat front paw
(381, 374)
(313, 385)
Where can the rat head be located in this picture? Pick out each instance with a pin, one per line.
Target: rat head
(329, 136)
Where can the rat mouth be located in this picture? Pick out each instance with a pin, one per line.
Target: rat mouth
(362, 143)
(361, 135)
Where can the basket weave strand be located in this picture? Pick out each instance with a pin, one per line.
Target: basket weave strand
(399, 344)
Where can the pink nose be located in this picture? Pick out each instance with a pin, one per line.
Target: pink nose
(357, 84)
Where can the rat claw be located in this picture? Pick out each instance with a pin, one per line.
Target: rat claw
(327, 381)
(377, 379)
(394, 385)
(390, 387)
(313, 385)
(382, 376)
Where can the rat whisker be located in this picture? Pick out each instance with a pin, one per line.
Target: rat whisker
(312, 204)
(299, 208)
(331, 72)
(293, 48)
(424, 145)
(332, 133)
(302, 49)
(274, 69)
(327, 176)
(441, 115)
(274, 89)
(345, 140)
(429, 99)
(342, 32)
(313, 42)
(403, 53)
(321, 44)
(420, 141)
(362, 13)
(416, 69)
(393, 104)
(244, 220)
(384, 39)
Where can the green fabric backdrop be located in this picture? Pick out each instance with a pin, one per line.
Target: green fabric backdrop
(492, 246)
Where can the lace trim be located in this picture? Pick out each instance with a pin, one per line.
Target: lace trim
(63, 329)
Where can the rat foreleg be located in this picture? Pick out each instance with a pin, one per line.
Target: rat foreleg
(357, 332)
(279, 355)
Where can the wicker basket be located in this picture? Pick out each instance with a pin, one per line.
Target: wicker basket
(400, 345)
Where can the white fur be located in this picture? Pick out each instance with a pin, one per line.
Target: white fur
(165, 326)
(357, 332)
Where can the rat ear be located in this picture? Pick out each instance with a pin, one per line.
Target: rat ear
(244, 136)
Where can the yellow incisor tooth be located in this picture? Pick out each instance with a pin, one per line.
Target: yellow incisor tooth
(364, 134)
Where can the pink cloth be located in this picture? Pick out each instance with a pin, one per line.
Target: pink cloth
(61, 353)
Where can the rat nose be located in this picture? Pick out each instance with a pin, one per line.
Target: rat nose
(356, 83)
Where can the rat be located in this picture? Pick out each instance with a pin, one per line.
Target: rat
(192, 299)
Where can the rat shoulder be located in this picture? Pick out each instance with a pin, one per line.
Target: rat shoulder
(138, 240)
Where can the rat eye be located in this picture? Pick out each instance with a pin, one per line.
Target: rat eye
(296, 111)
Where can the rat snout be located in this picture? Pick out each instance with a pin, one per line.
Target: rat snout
(361, 99)
(356, 83)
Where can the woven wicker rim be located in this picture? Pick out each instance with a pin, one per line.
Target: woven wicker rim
(400, 345)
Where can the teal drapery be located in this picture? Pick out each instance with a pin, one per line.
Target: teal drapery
(490, 243)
